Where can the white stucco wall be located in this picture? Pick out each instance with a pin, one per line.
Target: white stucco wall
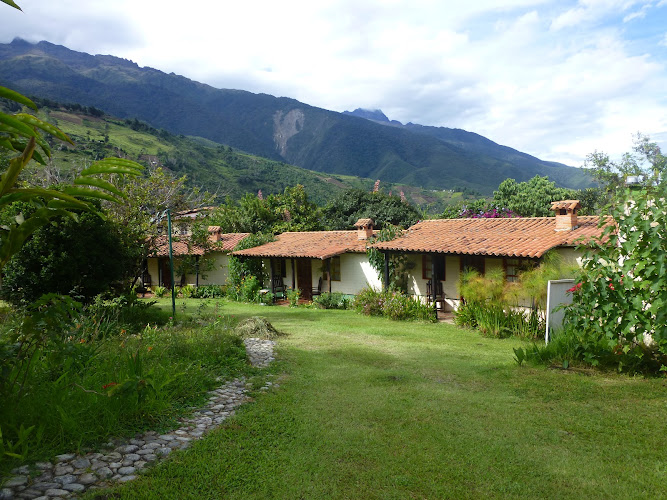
(355, 274)
(153, 270)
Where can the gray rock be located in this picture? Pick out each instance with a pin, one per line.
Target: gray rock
(151, 446)
(44, 465)
(125, 471)
(87, 478)
(75, 487)
(65, 457)
(104, 472)
(113, 456)
(150, 458)
(125, 479)
(23, 470)
(16, 481)
(30, 493)
(55, 492)
(139, 464)
(115, 465)
(80, 463)
(163, 451)
(62, 469)
(6, 494)
(43, 485)
(97, 464)
(66, 479)
(132, 456)
(130, 448)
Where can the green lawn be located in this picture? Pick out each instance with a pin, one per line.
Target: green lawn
(370, 408)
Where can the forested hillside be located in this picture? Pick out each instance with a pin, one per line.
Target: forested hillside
(221, 170)
(281, 129)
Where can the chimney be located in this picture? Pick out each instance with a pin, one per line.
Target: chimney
(214, 234)
(566, 214)
(364, 228)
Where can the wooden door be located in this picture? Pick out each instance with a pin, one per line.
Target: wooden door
(165, 270)
(304, 278)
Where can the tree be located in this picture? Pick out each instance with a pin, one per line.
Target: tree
(619, 310)
(532, 198)
(348, 207)
(80, 258)
(645, 162)
(143, 214)
(20, 139)
(288, 211)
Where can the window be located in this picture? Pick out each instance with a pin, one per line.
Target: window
(334, 262)
(427, 260)
(279, 267)
(514, 266)
(472, 262)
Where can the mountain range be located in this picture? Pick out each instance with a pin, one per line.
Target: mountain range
(360, 143)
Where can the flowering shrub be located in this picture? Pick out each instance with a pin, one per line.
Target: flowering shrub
(394, 305)
(618, 315)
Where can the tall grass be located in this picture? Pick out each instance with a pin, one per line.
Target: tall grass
(101, 375)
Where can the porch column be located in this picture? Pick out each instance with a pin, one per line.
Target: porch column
(434, 285)
(329, 273)
(197, 271)
(271, 267)
(386, 270)
(293, 275)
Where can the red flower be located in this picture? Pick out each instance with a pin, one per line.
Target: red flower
(575, 288)
(110, 384)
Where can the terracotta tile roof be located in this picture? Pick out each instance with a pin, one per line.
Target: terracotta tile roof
(310, 244)
(180, 247)
(227, 241)
(514, 237)
(224, 242)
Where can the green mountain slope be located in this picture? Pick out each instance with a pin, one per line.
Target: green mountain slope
(281, 129)
(218, 169)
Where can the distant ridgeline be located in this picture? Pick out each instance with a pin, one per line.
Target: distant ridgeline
(213, 167)
(281, 129)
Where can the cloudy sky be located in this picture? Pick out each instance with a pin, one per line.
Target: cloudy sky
(555, 78)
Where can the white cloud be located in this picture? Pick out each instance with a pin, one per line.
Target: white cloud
(553, 78)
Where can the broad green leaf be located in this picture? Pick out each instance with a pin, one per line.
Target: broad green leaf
(96, 169)
(114, 166)
(16, 97)
(16, 165)
(89, 193)
(46, 127)
(99, 183)
(11, 4)
(17, 125)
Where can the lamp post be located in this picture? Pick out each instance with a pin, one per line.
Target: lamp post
(171, 267)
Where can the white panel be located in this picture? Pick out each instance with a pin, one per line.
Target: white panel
(557, 295)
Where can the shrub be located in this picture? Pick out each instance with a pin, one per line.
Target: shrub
(80, 258)
(208, 292)
(394, 305)
(333, 300)
(293, 297)
(187, 291)
(159, 291)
